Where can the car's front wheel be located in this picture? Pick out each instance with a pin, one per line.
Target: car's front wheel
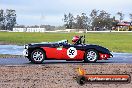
(37, 56)
(91, 56)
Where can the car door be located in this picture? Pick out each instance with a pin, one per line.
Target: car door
(72, 52)
(58, 50)
(52, 51)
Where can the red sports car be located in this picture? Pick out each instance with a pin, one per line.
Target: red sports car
(62, 50)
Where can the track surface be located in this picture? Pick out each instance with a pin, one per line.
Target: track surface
(118, 58)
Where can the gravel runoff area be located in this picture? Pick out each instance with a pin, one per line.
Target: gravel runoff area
(59, 75)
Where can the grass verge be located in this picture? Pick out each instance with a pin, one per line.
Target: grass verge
(117, 42)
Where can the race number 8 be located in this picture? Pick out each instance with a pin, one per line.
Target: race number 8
(72, 52)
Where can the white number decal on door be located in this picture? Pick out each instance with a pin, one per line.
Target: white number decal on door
(72, 52)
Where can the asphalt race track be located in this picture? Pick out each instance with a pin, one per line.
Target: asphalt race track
(118, 58)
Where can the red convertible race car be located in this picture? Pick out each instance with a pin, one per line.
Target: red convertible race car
(62, 50)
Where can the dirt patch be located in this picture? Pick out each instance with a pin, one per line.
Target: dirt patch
(58, 75)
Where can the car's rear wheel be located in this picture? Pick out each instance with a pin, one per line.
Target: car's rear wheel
(37, 56)
(91, 56)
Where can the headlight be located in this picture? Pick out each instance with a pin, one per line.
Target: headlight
(25, 46)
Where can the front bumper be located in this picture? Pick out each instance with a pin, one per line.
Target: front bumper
(25, 52)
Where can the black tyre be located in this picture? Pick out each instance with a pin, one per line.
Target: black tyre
(37, 56)
(91, 56)
(81, 80)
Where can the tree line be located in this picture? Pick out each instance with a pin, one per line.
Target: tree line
(7, 19)
(97, 20)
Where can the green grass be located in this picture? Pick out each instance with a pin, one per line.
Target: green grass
(117, 42)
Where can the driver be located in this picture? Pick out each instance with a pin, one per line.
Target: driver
(75, 40)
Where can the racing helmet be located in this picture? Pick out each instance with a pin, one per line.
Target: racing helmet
(75, 39)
